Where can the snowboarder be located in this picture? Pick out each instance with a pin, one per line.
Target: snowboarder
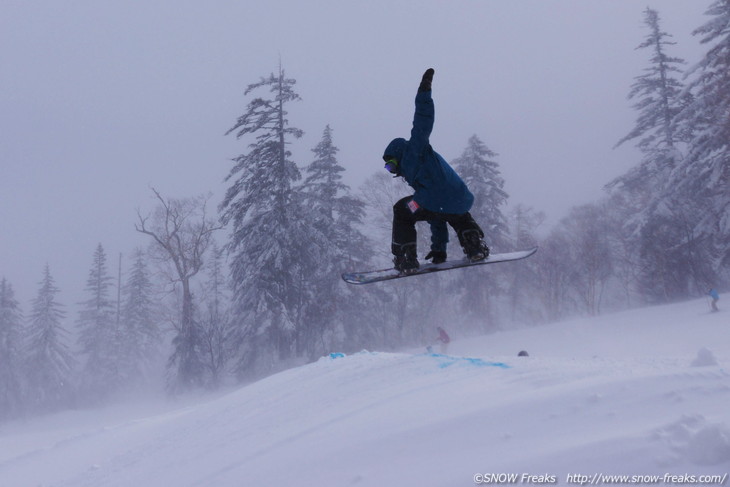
(444, 339)
(440, 196)
(715, 298)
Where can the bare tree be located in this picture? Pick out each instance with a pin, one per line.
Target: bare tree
(182, 233)
(553, 277)
(590, 253)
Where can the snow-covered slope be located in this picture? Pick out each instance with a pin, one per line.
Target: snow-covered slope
(636, 393)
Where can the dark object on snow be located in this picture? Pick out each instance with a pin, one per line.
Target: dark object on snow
(523, 353)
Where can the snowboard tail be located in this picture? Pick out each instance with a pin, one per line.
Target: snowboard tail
(389, 274)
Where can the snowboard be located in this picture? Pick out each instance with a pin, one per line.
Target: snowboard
(387, 274)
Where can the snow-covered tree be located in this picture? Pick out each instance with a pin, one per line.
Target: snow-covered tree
(656, 207)
(98, 332)
(48, 362)
(270, 242)
(335, 217)
(704, 175)
(664, 273)
(182, 233)
(660, 98)
(139, 335)
(480, 172)
(11, 348)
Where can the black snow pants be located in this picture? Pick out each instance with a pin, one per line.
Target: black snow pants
(405, 215)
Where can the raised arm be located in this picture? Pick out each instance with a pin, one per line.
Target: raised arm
(425, 113)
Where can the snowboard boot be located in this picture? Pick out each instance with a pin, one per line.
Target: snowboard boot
(405, 259)
(474, 247)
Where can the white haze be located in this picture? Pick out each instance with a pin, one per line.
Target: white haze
(640, 393)
(102, 100)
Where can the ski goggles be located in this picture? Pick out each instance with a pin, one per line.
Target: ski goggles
(391, 165)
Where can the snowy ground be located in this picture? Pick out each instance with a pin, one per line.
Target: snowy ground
(641, 393)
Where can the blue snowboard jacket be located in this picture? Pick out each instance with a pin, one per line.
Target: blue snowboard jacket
(437, 186)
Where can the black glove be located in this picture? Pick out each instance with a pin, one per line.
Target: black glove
(426, 80)
(438, 256)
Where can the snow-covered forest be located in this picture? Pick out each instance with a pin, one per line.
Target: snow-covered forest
(233, 292)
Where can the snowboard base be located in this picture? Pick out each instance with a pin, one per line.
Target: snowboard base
(389, 274)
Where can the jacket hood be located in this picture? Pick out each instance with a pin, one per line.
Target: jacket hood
(396, 148)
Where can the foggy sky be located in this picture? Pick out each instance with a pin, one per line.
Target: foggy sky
(102, 100)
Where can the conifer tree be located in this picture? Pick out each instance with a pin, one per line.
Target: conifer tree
(656, 213)
(11, 333)
(705, 174)
(48, 363)
(270, 244)
(323, 183)
(480, 172)
(98, 334)
(659, 92)
(335, 216)
(139, 334)
(661, 97)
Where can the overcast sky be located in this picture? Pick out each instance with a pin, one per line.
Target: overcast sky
(102, 100)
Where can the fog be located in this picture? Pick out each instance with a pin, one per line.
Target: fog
(102, 101)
